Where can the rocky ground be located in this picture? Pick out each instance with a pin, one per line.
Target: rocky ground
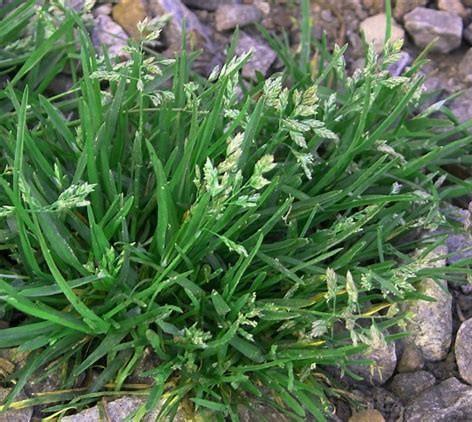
(428, 376)
(210, 25)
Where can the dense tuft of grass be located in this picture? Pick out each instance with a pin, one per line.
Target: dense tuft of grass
(248, 236)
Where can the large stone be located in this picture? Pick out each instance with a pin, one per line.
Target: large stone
(407, 386)
(229, 16)
(463, 351)
(374, 29)
(198, 35)
(446, 402)
(402, 7)
(262, 55)
(427, 25)
(14, 415)
(384, 361)
(430, 324)
(109, 35)
(128, 13)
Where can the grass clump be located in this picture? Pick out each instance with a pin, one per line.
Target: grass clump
(246, 236)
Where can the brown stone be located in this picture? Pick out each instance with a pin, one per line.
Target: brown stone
(198, 35)
(453, 6)
(374, 6)
(369, 415)
(128, 13)
(411, 360)
(402, 7)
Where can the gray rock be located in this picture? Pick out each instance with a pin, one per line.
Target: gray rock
(402, 7)
(118, 411)
(198, 34)
(208, 4)
(407, 386)
(461, 106)
(262, 55)
(465, 66)
(444, 369)
(397, 68)
(460, 215)
(411, 359)
(463, 351)
(460, 245)
(453, 6)
(387, 403)
(466, 289)
(91, 414)
(108, 34)
(431, 322)
(464, 302)
(20, 415)
(77, 5)
(450, 401)
(468, 33)
(229, 16)
(253, 412)
(383, 366)
(103, 9)
(374, 28)
(425, 25)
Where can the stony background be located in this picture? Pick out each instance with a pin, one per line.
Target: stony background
(210, 24)
(427, 377)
